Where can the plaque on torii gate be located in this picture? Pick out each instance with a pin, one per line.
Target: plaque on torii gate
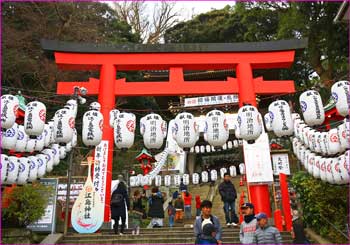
(243, 57)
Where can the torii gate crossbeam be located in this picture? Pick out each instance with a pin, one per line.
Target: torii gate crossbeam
(243, 59)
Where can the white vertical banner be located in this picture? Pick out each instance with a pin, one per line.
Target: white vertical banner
(280, 164)
(100, 169)
(257, 160)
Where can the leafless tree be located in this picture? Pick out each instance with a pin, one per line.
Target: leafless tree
(150, 29)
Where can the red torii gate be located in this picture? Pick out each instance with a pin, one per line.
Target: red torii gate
(243, 57)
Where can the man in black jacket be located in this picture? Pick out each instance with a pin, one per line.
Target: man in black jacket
(228, 196)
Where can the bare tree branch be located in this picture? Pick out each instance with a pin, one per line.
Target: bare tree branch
(134, 13)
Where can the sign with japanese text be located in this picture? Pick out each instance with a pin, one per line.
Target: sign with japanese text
(257, 160)
(87, 211)
(100, 169)
(211, 100)
(280, 164)
(47, 222)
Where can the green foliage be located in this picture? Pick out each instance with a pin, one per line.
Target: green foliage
(267, 21)
(27, 204)
(320, 199)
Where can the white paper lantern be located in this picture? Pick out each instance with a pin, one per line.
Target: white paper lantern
(281, 118)
(316, 171)
(33, 168)
(144, 180)
(324, 143)
(311, 162)
(233, 171)
(68, 147)
(72, 105)
(177, 180)
(341, 96)
(112, 116)
(40, 142)
(268, 123)
(132, 180)
(185, 130)
(216, 128)
(202, 149)
(213, 175)
(47, 135)
(158, 180)
(222, 172)
(34, 118)
(3, 166)
(312, 139)
(153, 129)
(249, 123)
(204, 176)
(312, 107)
(337, 172)
(329, 173)
(56, 154)
(74, 141)
(235, 143)
(52, 131)
(344, 135)
(224, 147)
(9, 137)
(23, 171)
(186, 179)
(295, 116)
(192, 150)
(229, 145)
(318, 139)
(305, 158)
(12, 170)
(305, 134)
(294, 145)
(63, 152)
(124, 130)
(241, 167)
(167, 180)
(42, 159)
(197, 149)
(92, 128)
(208, 148)
(333, 142)
(50, 154)
(323, 169)
(64, 123)
(9, 107)
(341, 167)
(22, 139)
(138, 180)
(195, 178)
(30, 146)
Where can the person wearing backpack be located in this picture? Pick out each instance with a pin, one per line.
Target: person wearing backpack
(155, 210)
(119, 205)
(207, 218)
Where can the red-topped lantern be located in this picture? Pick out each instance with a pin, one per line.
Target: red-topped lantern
(146, 160)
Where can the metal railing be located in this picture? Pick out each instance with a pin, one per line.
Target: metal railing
(336, 228)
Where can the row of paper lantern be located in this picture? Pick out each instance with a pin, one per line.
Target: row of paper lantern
(141, 180)
(22, 170)
(208, 148)
(329, 143)
(35, 134)
(168, 180)
(334, 170)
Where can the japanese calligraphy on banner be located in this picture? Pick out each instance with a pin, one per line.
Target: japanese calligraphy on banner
(257, 160)
(280, 164)
(211, 100)
(100, 169)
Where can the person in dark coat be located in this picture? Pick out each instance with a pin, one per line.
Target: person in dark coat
(120, 203)
(156, 211)
(298, 233)
(228, 196)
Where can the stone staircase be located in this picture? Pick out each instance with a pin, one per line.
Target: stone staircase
(182, 233)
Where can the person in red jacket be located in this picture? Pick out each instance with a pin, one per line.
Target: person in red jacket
(188, 202)
(198, 205)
